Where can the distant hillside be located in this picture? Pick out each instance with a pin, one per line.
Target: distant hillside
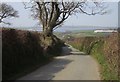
(66, 28)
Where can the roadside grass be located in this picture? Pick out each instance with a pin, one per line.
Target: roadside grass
(97, 53)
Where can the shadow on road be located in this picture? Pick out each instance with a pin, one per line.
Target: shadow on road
(69, 50)
(48, 71)
(66, 50)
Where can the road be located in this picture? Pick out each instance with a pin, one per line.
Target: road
(72, 65)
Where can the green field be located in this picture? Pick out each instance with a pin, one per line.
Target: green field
(81, 33)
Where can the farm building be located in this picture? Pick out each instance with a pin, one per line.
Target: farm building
(96, 31)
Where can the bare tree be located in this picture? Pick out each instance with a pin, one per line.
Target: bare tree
(54, 13)
(7, 11)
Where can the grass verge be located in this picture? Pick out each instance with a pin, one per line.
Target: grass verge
(97, 53)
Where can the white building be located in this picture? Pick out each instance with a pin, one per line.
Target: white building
(96, 31)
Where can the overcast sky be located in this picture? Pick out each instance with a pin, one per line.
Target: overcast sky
(108, 20)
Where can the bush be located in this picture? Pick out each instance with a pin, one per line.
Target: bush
(111, 48)
(22, 50)
(84, 43)
(56, 47)
(52, 46)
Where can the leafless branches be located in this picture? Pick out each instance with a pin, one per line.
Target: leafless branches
(54, 13)
(6, 11)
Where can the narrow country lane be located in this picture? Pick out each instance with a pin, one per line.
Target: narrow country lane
(73, 65)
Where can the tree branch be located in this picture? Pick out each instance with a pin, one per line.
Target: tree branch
(6, 11)
(52, 10)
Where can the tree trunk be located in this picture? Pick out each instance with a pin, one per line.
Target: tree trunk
(48, 36)
(48, 39)
(48, 32)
